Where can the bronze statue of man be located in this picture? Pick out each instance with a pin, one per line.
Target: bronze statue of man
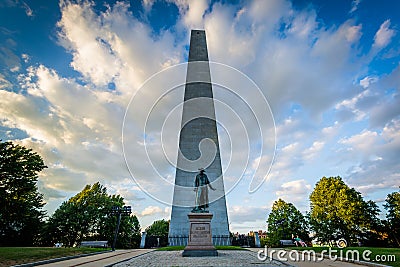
(201, 184)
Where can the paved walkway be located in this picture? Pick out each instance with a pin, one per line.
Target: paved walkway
(150, 257)
(225, 258)
(103, 259)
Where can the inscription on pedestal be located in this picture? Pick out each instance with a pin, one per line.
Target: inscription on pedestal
(200, 233)
(200, 236)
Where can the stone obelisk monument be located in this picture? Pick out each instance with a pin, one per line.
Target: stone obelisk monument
(198, 148)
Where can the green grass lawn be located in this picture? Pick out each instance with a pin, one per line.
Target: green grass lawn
(19, 255)
(376, 256)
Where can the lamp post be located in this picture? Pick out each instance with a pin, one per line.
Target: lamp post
(120, 211)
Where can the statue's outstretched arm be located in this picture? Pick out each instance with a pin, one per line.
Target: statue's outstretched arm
(212, 188)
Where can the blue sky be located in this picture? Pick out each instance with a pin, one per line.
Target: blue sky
(329, 70)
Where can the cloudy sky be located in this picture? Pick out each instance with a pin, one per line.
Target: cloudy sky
(329, 71)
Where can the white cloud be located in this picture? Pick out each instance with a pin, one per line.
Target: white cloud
(353, 33)
(361, 142)
(373, 103)
(113, 46)
(48, 192)
(377, 155)
(191, 15)
(287, 161)
(314, 150)
(8, 58)
(354, 5)
(28, 10)
(26, 57)
(304, 25)
(368, 80)
(4, 83)
(147, 4)
(15, 69)
(247, 214)
(81, 32)
(269, 13)
(351, 105)
(156, 210)
(20, 4)
(151, 210)
(131, 193)
(330, 131)
(294, 191)
(385, 110)
(383, 35)
(76, 126)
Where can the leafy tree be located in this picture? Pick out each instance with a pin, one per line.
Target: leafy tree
(392, 206)
(284, 221)
(158, 229)
(21, 204)
(129, 233)
(86, 216)
(340, 211)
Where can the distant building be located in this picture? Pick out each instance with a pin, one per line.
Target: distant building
(262, 234)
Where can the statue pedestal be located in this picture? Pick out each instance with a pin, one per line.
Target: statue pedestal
(200, 237)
